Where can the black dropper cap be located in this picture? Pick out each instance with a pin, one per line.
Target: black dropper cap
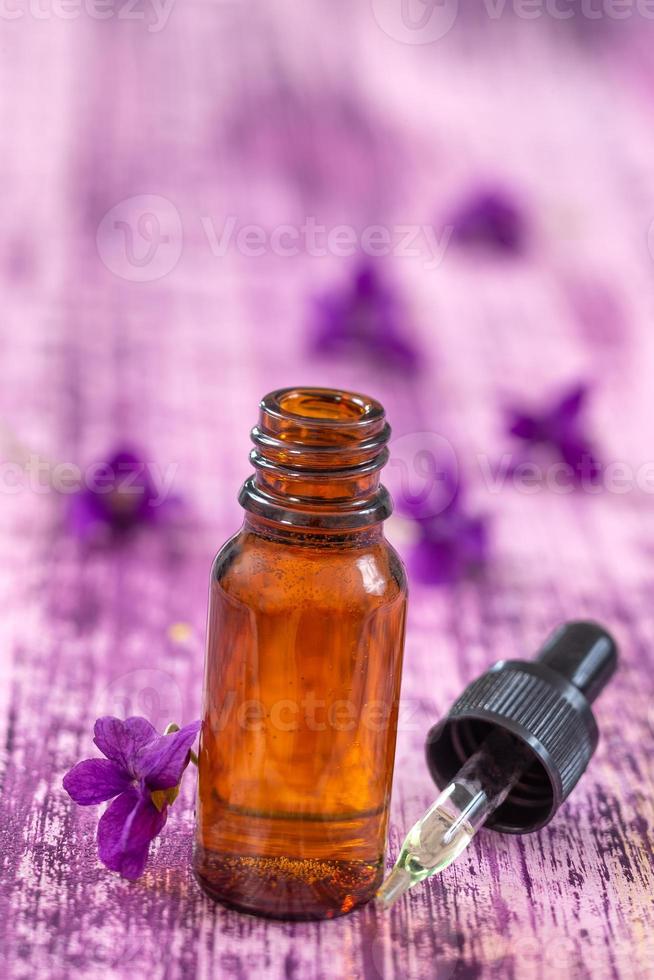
(545, 704)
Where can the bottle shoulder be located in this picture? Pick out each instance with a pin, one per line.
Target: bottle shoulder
(250, 565)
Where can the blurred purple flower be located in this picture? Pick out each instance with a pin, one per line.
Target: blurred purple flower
(119, 497)
(141, 774)
(450, 544)
(559, 428)
(364, 319)
(490, 219)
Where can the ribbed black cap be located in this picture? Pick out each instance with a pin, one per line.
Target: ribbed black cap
(546, 704)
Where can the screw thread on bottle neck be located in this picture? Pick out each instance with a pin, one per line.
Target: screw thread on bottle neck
(317, 456)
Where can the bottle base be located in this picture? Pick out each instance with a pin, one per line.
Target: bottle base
(297, 889)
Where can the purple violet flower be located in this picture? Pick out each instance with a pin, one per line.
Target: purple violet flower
(490, 219)
(559, 428)
(365, 319)
(120, 497)
(450, 544)
(141, 775)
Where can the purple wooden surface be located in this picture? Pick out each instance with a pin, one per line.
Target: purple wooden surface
(94, 112)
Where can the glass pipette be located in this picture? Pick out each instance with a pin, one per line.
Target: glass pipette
(448, 826)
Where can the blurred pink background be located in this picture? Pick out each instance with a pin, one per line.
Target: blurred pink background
(182, 184)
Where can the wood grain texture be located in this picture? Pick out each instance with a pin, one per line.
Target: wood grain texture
(91, 359)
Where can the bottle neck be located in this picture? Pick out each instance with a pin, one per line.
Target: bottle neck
(312, 537)
(317, 458)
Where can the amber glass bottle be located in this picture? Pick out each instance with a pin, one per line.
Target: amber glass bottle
(304, 656)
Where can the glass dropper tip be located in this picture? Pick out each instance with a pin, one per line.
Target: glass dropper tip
(398, 882)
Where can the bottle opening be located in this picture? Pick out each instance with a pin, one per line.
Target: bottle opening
(324, 403)
(321, 417)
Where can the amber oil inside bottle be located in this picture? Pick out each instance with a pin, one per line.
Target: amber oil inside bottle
(302, 682)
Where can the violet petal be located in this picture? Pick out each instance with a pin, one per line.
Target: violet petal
(449, 546)
(123, 741)
(121, 497)
(111, 826)
(95, 781)
(125, 832)
(162, 763)
(434, 562)
(84, 514)
(492, 219)
(578, 454)
(525, 426)
(567, 410)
